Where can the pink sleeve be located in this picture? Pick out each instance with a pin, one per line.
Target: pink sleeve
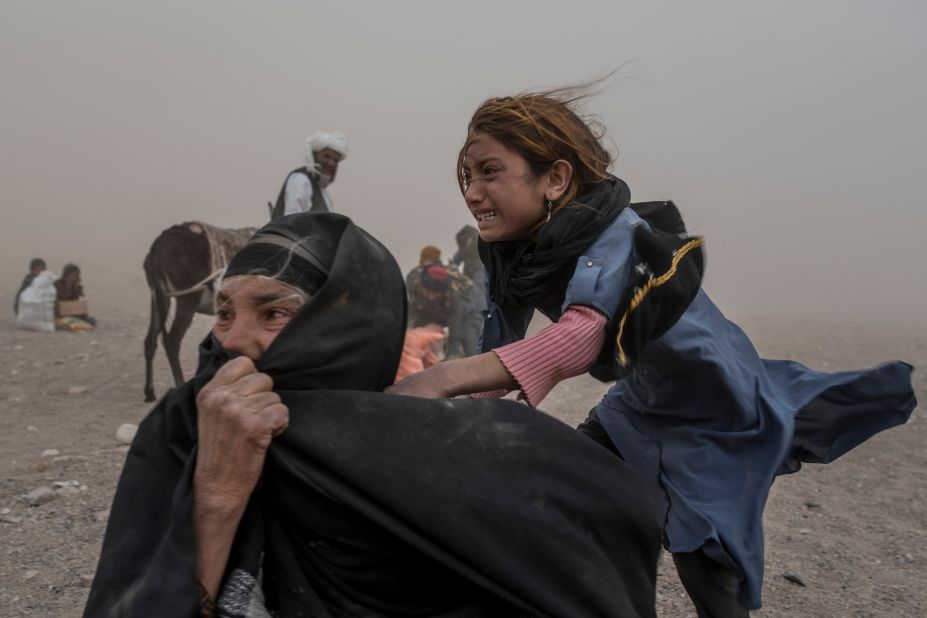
(490, 394)
(562, 350)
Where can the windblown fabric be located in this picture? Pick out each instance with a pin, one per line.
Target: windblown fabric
(711, 423)
(696, 411)
(379, 505)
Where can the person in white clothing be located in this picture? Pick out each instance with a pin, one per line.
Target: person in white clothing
(306, 188)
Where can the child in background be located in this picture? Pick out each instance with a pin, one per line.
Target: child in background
(36, 266)
(70, 305)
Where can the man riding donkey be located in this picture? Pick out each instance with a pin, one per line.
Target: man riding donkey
(306, 188)
(186, 260)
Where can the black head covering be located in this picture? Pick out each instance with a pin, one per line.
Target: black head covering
(297, 250)
(356, 290)
(380, 505)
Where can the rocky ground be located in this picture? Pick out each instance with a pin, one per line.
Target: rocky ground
(846, 539)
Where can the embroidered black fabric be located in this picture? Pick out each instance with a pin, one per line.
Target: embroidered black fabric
(660, 305)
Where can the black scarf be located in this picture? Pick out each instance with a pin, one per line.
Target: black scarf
(534, 272)
(380, 505)
(294, 251)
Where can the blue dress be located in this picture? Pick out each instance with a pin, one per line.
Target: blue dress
(709, 423)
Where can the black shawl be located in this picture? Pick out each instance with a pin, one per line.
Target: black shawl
(380, 505)
(535, 272)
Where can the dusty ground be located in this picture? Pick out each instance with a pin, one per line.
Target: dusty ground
(854, 531)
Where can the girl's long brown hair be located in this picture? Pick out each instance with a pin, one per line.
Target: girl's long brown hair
(544, 127)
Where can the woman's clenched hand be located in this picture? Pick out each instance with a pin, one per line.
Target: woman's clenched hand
(238, 415)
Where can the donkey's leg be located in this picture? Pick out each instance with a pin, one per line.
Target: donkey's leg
(183, 317)
(159, 307)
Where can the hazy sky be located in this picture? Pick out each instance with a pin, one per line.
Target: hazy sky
(792, 134)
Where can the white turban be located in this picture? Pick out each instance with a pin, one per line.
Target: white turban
(322, 140)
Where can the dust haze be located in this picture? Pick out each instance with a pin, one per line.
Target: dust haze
(791, 135)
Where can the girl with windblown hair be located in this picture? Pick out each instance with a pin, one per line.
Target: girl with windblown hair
(695, 411)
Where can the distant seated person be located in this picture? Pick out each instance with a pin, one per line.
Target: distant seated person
(36, 266)
(70, 304)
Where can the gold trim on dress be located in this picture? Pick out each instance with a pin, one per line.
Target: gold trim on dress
(654, 282)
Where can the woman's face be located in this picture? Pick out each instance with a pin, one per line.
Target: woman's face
(251, 311)
(503, 194)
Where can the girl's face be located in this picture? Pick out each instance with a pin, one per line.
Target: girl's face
(503, 194)
(250, 313)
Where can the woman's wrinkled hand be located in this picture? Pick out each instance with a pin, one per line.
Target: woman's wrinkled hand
(238, 415)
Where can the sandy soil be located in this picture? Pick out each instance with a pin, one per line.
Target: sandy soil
(853, 531)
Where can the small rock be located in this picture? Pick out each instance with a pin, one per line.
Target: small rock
(65, 483)
(812, 504)
(39, 496)
(77, 390)
(4, 511)
(50, 452)
(68, 491)
(94, 343)
(795, 579)
(10, 519)
(101, 516)
(30, 574)
(86, 580)
(17, 347)
(126, 433)
(58, 361)
(32, 428)
(804, 531)
(13, 372)
(82, 356)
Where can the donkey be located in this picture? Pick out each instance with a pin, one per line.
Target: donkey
(184, 263)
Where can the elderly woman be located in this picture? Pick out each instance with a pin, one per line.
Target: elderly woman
(279, 482)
